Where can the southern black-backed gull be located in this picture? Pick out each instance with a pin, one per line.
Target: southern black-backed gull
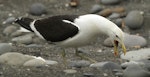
(73, 30)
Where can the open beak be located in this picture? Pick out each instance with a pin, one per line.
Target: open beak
(116, 47)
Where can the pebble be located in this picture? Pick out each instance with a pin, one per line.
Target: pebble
(118, 22)
(14, 58)
(143, 63)
(105, 12)
(9, 30)
(51, 62)
(70, 71)
(9, 20)
(79, 63)
(135, 71)
(129, 41)
(24, 39)
(5, 47)
(114, 16)
(106, 66)
(137, 54)
(88, 75)
(37, 9)
(38, 61)
(110, 2)
(96, 8)
(134, 19)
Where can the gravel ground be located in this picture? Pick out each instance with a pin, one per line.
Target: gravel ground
(18, 8)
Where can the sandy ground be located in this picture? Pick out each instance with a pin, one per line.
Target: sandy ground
(56, 7)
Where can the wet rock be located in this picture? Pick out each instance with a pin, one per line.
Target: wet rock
(9, 20)
(38, 61)
(135, 71)
(109, 2)
(9, 30)
(79, 64)
(5, 47)
(134, 19)
(129, 41)
(137, 54)
(96, 8)
(70, 71)
(106, 66)
(14, 58)
(24, 39)
(37, 9)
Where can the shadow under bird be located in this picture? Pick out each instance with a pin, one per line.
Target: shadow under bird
(74, 31)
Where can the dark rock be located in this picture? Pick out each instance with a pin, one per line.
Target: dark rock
(79, 64)
(110, 2)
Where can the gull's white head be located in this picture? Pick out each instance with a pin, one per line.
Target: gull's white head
(117, 37)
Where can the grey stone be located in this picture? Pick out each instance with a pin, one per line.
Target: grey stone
(37, 9)
(110, 1)
(114, 16)
(79, 64)
(38, 61)
(135, 71)
(24, 39)
(137, 54)
(96, 8)
(106, 66)
(129, 41)
(70, 71)
(14, 58)
(51, 62)
(134, 19)
(118, 22)
(9, 30)
(9, 20)
(5, 47)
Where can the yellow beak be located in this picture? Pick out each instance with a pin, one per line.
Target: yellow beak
(116, 47)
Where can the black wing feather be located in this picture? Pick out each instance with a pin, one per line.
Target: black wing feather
(54, 29)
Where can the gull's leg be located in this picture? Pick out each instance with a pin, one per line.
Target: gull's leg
(83, 57)
(64, 57)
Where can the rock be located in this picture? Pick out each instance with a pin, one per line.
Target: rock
(5, 47)
(143, 63)
(135, 71)
(137, 54)
(129, 41)
(70, 71)
(79, 64)
(110, 2)
(118, 22)
(37, 9)
(88, 75)
(134, 19)
(134, 40)
(9, 20)
(96, 8)
(114, 16)
(105, 12)
(14, 58)
(38, 61)
(50, 62)
(106, 66)
(9, 30)
(24, 39)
